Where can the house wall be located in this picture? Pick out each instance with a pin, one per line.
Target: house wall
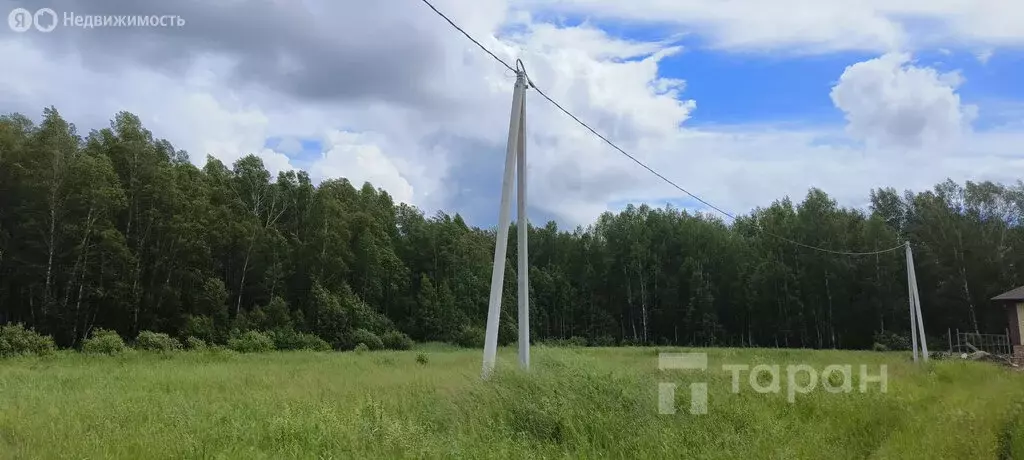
(1013, 317)
(1020, 322)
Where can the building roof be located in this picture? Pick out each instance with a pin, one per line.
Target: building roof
(1015, 294)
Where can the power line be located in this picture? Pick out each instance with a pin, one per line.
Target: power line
(470, 37)
(830, 251)
(691, 195)
(631, 157)
(695, 197)
(635, 160)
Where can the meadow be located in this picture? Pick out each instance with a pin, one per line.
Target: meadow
(431, 403)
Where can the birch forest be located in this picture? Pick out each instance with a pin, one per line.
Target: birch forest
(116, 229)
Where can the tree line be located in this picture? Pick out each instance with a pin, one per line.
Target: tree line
(118, 230)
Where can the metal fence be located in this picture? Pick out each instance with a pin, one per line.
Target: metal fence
(969, 342)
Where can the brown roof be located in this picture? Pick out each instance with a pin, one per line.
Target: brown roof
(1015, 294)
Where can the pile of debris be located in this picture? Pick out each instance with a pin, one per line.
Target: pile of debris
(976, 355)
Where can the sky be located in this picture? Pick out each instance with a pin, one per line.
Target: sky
(741, 102)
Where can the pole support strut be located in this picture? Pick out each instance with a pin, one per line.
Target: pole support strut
(515, 158)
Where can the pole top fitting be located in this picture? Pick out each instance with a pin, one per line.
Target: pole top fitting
(521, 73)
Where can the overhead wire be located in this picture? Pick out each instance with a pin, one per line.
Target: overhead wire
(531, 84)
(470, 37)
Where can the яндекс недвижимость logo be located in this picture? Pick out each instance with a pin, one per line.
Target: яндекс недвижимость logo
(21, 20)
(46, 20)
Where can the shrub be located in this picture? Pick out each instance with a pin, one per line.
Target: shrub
(200, 327)
(421, 358)
(470, 337)
(314, 343)
(289, 339)
(251, 342)
(603, 341)
(220, 349)
(892, 340)
(364, 316)
(573, 341)
(16, 340)
(361, 347)
(879, 347)
(277, 314)
(193, 343)
(576, 341)
(395, 340)
(367, 338)
(156, 341)
(329, 320)
(631, 342)
(104, 342)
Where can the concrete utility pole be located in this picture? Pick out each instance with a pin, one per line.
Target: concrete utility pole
(916, 320)
(515, 159)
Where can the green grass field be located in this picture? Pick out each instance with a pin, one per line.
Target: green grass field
(597, 402)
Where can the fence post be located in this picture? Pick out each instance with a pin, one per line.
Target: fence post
(949, 336)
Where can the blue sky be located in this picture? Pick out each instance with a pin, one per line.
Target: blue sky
(739, 88)
(425, 115)
(736, 90)
(736, 87)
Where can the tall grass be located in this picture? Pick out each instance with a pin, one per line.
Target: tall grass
(573, 403)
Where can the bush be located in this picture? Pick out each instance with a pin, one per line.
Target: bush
(16, 340)
(105, 342)
(313, 343)
(193, 343)
(576, 341)
(200, 327)
(367, 338)
(361, 347)
(603, 341)
(470, 337)
(156, 341)
(395, 340)
(220, 350)
(329, 320)
(573, 341)
(289, 339)
(251, 342)
(879, 347)
(631, 342)
(421, 358)
(892, 340)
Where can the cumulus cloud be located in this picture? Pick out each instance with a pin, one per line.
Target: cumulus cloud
(313, 51)
(815, 26)
(356, 158)
(289, 146)
(426, 116)
(891, 102)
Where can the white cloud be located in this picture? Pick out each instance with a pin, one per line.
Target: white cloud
(355, 157)
(819, 25)
(984, 55)
(197, 114)
(419, 152)
(890, 102)
(290, 146)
